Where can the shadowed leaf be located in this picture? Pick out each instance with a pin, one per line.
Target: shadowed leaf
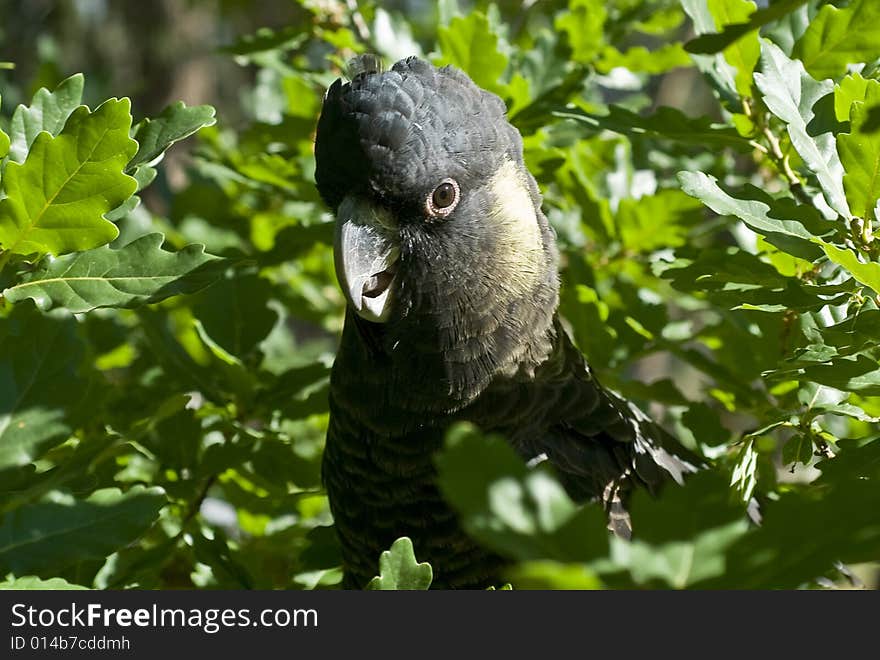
(46, 536)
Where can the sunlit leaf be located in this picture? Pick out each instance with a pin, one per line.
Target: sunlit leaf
(789, 235)
(792, 95)
(175, 123)
(470, 44)
(57, 199)
(136, 274)
(867, 273)
(743, 52)
(400, 571)
(583, 23)
(708, 44)
(838, 37)
(666, 123)
(860, 155)
(48, 112)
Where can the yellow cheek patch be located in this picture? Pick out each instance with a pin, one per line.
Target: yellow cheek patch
(512, 217)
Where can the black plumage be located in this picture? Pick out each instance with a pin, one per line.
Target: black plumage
(465, 326)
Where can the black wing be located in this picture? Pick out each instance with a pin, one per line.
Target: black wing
(600, 444)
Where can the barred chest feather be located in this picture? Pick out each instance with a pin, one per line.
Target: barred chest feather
(378, 463)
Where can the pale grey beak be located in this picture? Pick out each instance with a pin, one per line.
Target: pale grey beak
(365, 253)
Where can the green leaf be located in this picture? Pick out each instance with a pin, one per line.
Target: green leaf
(720, 73)
(641, 60)
(175, 123)
(39, 356)
(264, 39)
(838, 37)
(845, 410)
(57, 199)
(788, 235)
(858, 373)
(31, 583)
(299, 392)
(583, 24)
(866, 273)
(852, 335)
(737, 279)
(743, 52)
(858, 459)
(470, 44)
(665, 124)
(860, 155)
(744, 476)
(708, 44)
(235, 312)
(677, 543)
(553, 575)
(48, 112)
(791, 94)
(135, 566)
(798, 449)
(49, 535)
(802, 536)
(657, 221)
(519, 512)
(399, 570)
(139, 273)
(849, 90)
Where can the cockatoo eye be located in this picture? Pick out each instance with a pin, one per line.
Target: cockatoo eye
(443, 200)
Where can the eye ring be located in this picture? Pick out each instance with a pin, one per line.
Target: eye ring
(443, 199)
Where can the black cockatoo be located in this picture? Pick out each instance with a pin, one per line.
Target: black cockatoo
(450, 271)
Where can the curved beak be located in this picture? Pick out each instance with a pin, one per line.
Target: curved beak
(365, 253)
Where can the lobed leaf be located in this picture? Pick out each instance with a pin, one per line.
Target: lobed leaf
(235, 312)
(743, 52)
(868, 273)
(860, 156)
(801, 536)
(519, 512)
(399, 570)
(31, 583)
(48, 112)
(792, 95)
(39, 356)
(849, 90)
(175, 123)
(708, 44)
(677, 548)
(665, 124)
(583, 23)
(839, 37)
(136, 274)
(470, 44)
(57, 199)
(763, 215)
(46, 536)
